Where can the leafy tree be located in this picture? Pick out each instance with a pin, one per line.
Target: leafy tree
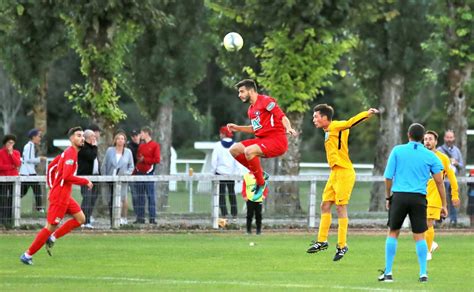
(302, 43)
(452, 44)
(10, 102)
(164, 67)
(388, 62)
(32, 37)
(100, 32)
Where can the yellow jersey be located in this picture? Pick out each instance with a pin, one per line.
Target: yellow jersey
(336, 140)
(432, 194)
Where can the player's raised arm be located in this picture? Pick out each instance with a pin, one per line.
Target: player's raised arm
(360, 117)
(237, 128)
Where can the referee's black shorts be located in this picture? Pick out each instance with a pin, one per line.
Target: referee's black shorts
(413, 204)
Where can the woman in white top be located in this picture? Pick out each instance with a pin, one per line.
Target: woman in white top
(118, 161)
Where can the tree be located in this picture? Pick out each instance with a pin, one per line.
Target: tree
(10, 102)
(452, 43)
(389, 61)
(100, 32)
(32, 37)
(302, 43)
(164, 67)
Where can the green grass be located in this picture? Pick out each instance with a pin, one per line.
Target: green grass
(278, 262)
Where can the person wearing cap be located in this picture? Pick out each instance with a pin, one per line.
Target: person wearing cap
(28, 167)
(10, 162)
(223, 163)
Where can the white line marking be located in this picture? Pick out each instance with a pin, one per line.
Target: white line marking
(207, 282)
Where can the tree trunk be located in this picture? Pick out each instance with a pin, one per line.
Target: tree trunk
(40, 110)
(164, 127)
(391, 122)
(285, 199)
(457, 106)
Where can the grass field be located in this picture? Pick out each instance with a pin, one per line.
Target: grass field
(226, 261)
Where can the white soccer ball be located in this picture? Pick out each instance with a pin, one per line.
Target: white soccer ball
(233, 42)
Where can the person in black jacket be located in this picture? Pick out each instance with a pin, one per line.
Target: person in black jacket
(88, 164)
(133, 144)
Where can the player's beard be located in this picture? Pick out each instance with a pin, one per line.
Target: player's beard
(247, 99)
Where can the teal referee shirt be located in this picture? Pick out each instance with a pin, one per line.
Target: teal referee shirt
(410, 167)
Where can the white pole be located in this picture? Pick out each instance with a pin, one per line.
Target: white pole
(16, 202)
(312, 205)
(116, 204)
(190, 184)
(215, 205)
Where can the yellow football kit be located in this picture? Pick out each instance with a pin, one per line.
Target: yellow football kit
(432, 195)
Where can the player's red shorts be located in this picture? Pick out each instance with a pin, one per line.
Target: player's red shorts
(271, 146)
(56, 212)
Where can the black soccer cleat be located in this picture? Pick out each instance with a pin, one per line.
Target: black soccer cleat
(340, 252)
(49, 246)
(385, 278)
(317, 246)
(423, 279)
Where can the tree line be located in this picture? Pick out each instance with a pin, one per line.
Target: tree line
(162, 62)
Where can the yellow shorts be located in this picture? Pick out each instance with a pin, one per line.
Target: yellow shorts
(433, 213)
(339, 186)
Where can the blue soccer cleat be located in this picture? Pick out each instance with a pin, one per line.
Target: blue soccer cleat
(258, 191)
(26, 260)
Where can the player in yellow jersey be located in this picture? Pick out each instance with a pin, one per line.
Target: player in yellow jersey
(433, 211)
(342, 177)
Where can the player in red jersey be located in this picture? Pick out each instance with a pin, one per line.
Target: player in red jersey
(60, 200)
(270, 126)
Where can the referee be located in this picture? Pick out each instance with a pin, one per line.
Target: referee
(408, 169)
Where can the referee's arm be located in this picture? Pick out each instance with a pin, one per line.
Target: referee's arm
(389, 174)
(388, 192)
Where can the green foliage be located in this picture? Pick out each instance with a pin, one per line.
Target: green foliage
(100, 33)
(166, 64)
(32, 37)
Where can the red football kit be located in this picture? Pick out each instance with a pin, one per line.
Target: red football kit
(266, 119)
(61, 177)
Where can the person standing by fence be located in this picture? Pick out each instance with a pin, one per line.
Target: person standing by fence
(28, 167)
(408, 170)
(148, 155)
(133, 144)
(118, 160)
(10, 162)
(223, 163)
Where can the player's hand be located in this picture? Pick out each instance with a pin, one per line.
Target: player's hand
(232, 127)
(292, 132)
(90, 185)
(387, 205)
(456, 203)
(373, 111)
(444, 212)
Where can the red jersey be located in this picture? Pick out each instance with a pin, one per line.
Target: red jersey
(265, 116)
(151, 155)
(65, 177)
(9, 163)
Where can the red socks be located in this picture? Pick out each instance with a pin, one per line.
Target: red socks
(256, 168)
(66, 228)
(242, 160)
(39, 241)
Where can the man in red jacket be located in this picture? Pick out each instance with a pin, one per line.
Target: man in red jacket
(9, 165)
(60, 199)
(148, 154)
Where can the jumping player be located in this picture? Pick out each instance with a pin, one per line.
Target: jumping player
(270, 126)
(433, 197)
(60, 200)
(341, 179)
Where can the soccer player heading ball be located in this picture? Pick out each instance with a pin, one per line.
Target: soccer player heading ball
(270, 126)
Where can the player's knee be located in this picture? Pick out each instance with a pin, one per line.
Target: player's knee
(249, 154)
(81, 219)
(235, 150)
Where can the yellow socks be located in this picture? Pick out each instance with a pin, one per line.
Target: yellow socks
(324, 226)
(429, 236)
(342, 232)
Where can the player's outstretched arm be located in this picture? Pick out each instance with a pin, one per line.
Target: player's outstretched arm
(237, 128)
(454, 187)
(287, 124)
(355, 120)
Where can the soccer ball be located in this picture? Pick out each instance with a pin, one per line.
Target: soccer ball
(233, 42)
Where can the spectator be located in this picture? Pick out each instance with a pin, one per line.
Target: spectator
(454, 154)
(28, 167)
(133, 146)
(470, 202)
(148, 155)
(254, 203)
(10, 163)
(224, 164)
(88, 164)
(118, 160)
